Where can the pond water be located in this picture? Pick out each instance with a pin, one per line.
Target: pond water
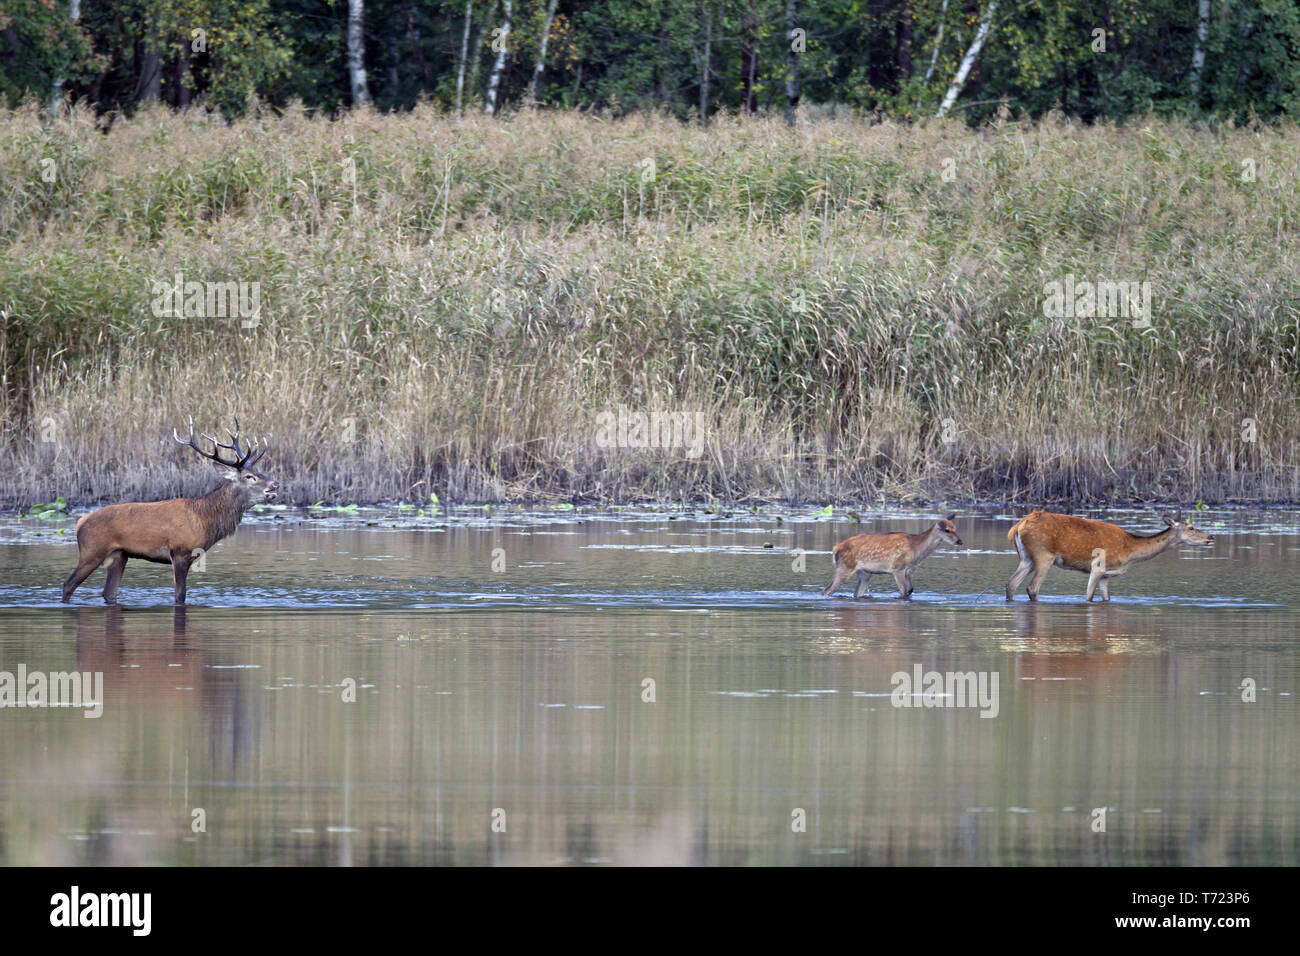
(633, 686)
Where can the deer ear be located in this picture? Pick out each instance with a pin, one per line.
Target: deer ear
(952, 517)
(1169, 519)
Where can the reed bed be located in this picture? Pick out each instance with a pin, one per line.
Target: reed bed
(854, 311)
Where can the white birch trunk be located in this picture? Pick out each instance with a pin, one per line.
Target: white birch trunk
(968, 61)
(502, 44)
(56, 98)
(707, 67)
(1198, 50)
(357, 53)
(541, 53)
(938, 41)
(791, 61)
(464, 55)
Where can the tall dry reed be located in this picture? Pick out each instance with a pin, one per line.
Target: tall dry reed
(856, 311)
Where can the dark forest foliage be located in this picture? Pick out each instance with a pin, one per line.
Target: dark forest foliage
(1087, 58)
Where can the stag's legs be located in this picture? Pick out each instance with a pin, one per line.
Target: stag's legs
(114, 576)
(180, 570)
(841, 575)
(864, 579)
(1105, 589)
(903, 578)
(85, 567)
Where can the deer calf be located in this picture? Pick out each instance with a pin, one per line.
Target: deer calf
(1095, 548)
(895, 552)
(175, 531)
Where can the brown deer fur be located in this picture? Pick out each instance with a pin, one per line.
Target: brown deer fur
(172, 532)
(1096, 548)
(895, 552)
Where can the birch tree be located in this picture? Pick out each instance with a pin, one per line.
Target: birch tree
(749, 59)
(1198, 49)
(934, 54)
(707, 66)
(938, 41)
(796, 45)
(357, 53)
(541, 52)
(478, 44)
(968, 61)
(464, 55)
(56, 98)
(500, 43)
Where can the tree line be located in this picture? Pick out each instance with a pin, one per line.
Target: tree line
(1094, 59)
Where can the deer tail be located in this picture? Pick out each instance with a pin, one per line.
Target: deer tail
(1013, 534)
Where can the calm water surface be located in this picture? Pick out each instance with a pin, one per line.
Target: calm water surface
(501, 663)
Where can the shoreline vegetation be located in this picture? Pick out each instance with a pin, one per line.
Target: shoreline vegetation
(411, 304)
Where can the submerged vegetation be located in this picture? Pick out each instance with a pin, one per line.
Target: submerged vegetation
(851, 311)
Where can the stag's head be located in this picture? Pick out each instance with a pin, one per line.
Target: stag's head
(249, 485)
(1184, 531)
(948, 530)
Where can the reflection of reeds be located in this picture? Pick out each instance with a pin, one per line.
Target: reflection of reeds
(486, 288)
(453, 728)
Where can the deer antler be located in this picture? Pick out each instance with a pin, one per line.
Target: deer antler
(244, 457)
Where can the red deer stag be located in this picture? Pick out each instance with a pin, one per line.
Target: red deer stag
(895, 552)
(1095, 548)
(175, 531)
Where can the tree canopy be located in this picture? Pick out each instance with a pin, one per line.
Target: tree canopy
(902, 58)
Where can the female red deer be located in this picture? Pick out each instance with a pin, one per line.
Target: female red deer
(1095, 548)
(175, 531)
(895, 552)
